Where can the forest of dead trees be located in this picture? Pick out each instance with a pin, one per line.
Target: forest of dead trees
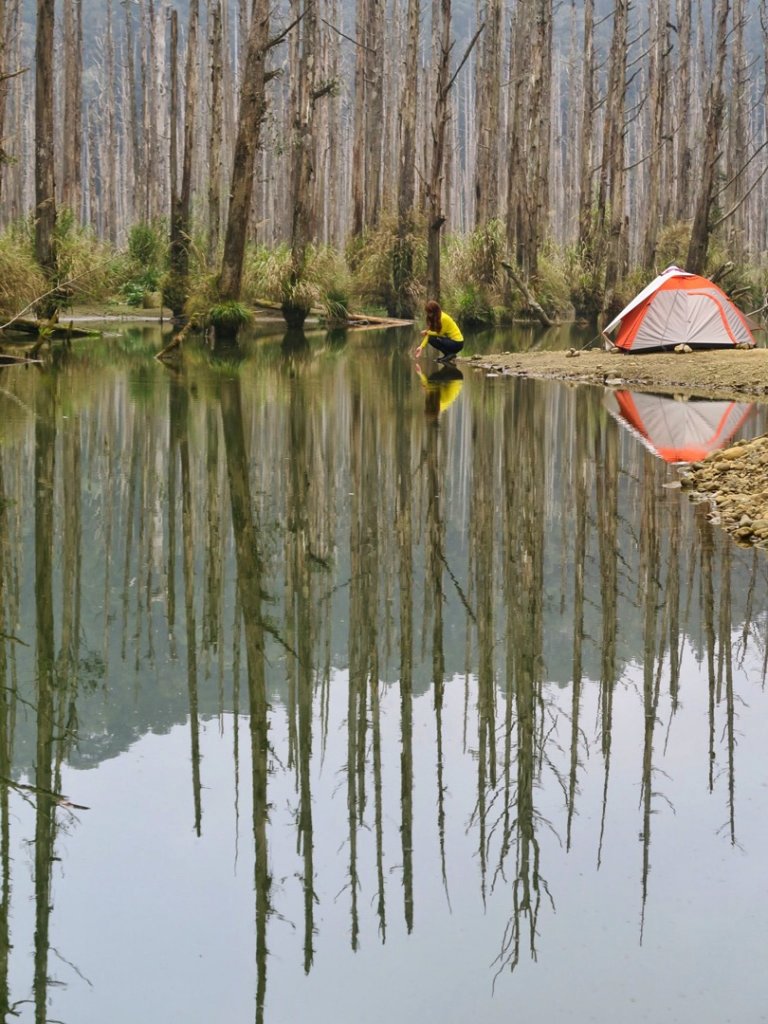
(587, 129)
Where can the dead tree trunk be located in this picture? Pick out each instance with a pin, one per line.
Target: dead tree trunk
(295, 306)
(435, 214)
(587, 115)
(71, 191)
(488, 89)
(737, 139)
(657, 93)
(45, 200)
(404, 304)
(519, 75)
(682, 182)
(359, 118)
(374, 112)
(109, 136)
(697, 250)
(134, 128)
(4, 72)
(251, 116)
(217, 114)
(610, 207)
(436, 217)
(178, 287)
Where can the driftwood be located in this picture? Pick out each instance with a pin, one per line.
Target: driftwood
(173, 348)
(527, 295)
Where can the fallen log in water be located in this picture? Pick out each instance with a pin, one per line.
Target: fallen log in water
(45, 329)
(350, 320)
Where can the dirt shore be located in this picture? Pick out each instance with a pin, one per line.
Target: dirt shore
(715, 374)
(734, 481)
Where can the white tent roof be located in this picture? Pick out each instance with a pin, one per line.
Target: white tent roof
(657, 282)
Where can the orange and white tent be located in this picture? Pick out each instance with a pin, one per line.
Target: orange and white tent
(679, 308)
(678, 431)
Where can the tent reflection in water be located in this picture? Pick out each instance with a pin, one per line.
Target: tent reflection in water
(675, 430)
(679, 308)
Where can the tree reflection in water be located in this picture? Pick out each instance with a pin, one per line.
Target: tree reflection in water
(325, 534)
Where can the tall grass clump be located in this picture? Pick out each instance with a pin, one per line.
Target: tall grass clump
(90, 269)
(375, 270)
(21, 280)
(324, 282)
(472, 276)
(551, 287)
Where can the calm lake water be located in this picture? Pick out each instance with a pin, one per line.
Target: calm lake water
(331, 692)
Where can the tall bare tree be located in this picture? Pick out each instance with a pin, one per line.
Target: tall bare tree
(682, 181)
(251, 116)
(403, 270)
(488, 90)
(586, 148)
(45, 199)
(215, 17)
(444, 84)
(713, 120)
(71, 185)
(181, 213)
(611, 195)
(658, 74)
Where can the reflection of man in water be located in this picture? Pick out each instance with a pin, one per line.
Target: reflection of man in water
(441, 388)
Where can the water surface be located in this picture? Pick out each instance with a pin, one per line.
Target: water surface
(379, 696)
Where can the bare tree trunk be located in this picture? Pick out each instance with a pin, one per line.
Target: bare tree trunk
(374, 103)
(519, 66)
(181, 225)
(73, 141)
(295, 309)
(173, 148)
(737, 138)
(109, 139)
(435, 215)
(252, 109)
(657, 77)
(488, 88)
(358, 130)
(217, 115)
(612, 174)
(4, 70)
(404, 304)
(697, 250)
(683, 110)
(537, 186)
(45, 200)
(133, 110)
(587, 116)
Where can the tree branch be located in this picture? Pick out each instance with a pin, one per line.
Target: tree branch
(464, 59)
